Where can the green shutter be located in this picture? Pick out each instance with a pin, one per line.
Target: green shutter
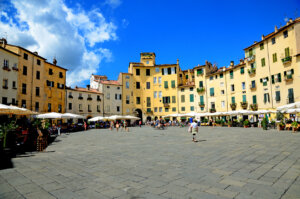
(173, 99)
(212, 92)
(232, 100)
(201, 100)
(254, 99)
(277, 96)
(292, 71)
(173, 83)
(273, 80)
(244, 98)
(279, 77)
(182, 98)
(200, 84)
(166, 84)
(242, 70)
(186, 77)
(191, 97)
(287, 52)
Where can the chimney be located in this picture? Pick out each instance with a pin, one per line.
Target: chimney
(3, 42)
(241, 61)
(35, 52)
(54, 61)
(88, 87)
(262, 37)
(291, 20)
(231, 63)
(255, 42)
(276, 29)
(177, 62)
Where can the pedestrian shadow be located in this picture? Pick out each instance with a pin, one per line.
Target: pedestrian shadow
(200, 140)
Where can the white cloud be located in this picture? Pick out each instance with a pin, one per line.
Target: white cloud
(113, 3)
(74, 36)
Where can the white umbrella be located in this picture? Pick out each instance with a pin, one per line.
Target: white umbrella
(94, 119)
(289, 106)
(130, 117)
(71, 115)
(293, 111)
(51, 115)
(191, 114)
(14, 110)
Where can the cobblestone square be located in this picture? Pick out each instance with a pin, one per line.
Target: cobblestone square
(147, 163)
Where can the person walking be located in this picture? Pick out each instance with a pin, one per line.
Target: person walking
(85, 125)
(117, 126)
(140, 123)
(194, 127)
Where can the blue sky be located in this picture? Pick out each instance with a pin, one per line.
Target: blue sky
(102, 37)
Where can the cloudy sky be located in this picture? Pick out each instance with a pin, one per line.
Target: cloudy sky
(101, 37)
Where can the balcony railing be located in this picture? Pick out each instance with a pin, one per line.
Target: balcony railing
(286, 59)
(70, 96)
(251, 58)
(80, 98)
(251, 71)
(201, 104)
(233, 106)
(15, 68)
(4, 87)
(212, 110)
(166, 105)
(288, 77)
(244, 105)
(89, 98)
(200, 90)
(6, 68)
(253, 107)
(252, 86)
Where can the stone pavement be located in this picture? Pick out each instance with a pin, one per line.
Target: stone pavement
(147, 163)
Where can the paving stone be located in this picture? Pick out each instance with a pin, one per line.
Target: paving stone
(221, 192)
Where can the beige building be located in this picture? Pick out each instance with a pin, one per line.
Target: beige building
(84, 101)
(8, 75)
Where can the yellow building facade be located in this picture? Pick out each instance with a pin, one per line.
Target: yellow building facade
(54, 88)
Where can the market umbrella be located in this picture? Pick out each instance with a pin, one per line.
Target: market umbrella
(71, 115)
(293, 111)
(98, 118)
(289, 106)
(51, 115)
(14, 110)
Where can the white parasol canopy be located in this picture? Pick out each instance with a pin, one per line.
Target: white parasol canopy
(289, 106)
(293, 111)
(94, 119)
(71, 115)
(14, 110)
(52, 115)
(191, 114)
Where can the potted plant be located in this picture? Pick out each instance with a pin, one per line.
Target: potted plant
(264, 124)
(295, 126)
(246, 123)
(229, 123)
(5, 129)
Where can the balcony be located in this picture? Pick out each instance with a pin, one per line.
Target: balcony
(6, 68)
(212, 110)
(200, 90)
(286, 59)
(89, 99)
(80, 98)
(253, 107)
(233, 106)
(70, 96)
(166, 105)
(4, 87)
(288, 77)
(15, 68)
(244, 105)
(252, 71)
(201, 104)
(251, 58)
(252, 86)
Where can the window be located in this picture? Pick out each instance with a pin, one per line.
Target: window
(127, 77)
(192, 108)
(261, 46)
(23, 88)
(160, 109)
(166, 109)
(183, 108)
(211, 77)
(169, 71)
(4, 100)
(266, 97)
(118, 109)
(137, 72)
(186, 77)
(127, 99)
(199, 71)
(263, 62)
(243, 85)
(23, 104)
(37, 106)
(155, 109)
(191, 88)
(277, 96)
(14, 84)
(37, 91)
(285, 34)
(191, 97)
(287, 52)
(25, 56)
(157, 69)
(107, 87)
(70, 106)
(148, 85)
(155, 94)
(201, 100)
(138, 100)
(148, 101)
(223, 104)
(116, 96)
(166, 100)
(5, 63)
(212, 91)
(253, 84)
(147, 62)
(147, 72)
(37, 74)
(182, 98)
(173, 83)
(273, 40)
(221, 84)
(182, 90)
(24, 70)
(50, 71)
(127, 84)
(291, 95)
(107, 96)
(201, 84)
(250, 52)
(231, 74)
(154, 80)
(166, 84)
(244, 98)
(159, 80)
(98, 108)
(232, 100)
(173, 70)
(174, 109)
(242, 70)
(254, 99)
(59, 108)
(160, 94)
(138, 85)
(38, 62)
(49, 107)
(173, 99)
(61, 75)
(118, 88)
(232, 87)
(5, 83)
(274, 57)
(222, 92)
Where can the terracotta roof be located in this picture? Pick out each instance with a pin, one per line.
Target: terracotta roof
(9, 51)
(85, 90)
(274, 33)
(110, 82)
(99, 75)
